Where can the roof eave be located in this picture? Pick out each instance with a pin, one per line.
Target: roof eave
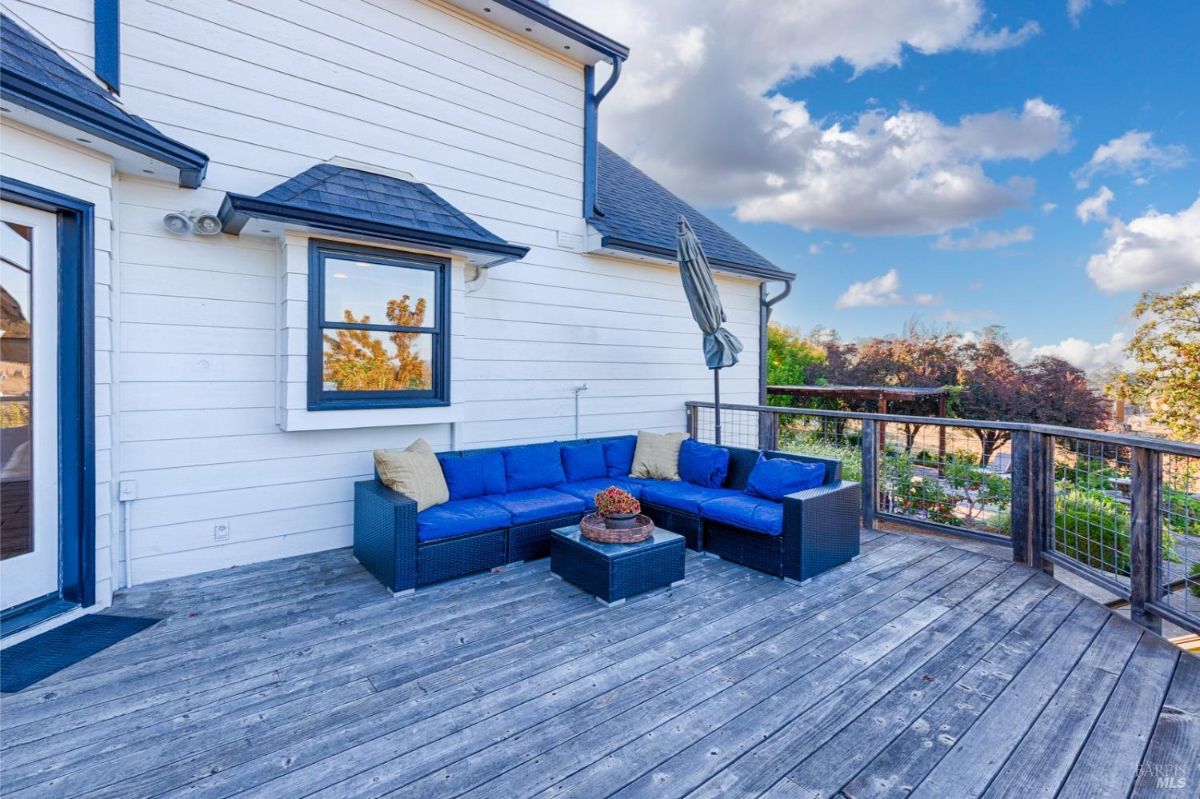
(238, 209)
(557, 21)
(749, 270)
(192, 164)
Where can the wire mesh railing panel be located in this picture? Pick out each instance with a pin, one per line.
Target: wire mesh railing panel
(952, 476)
(1093, 506)
(822, 437)
(1179, 516)
(739, 428)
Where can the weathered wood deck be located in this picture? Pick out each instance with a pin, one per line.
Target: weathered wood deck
(919, 668)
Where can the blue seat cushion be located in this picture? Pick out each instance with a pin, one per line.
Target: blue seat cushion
(745, 512)
(460, 517)
(536, 504)
(618, 455)
(533, 466)
(583, 461)
(775, 478)
(680, 496)
(587, 489)
(703, 464)
(469, 476)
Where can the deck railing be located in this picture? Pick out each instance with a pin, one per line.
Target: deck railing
(1120, 511)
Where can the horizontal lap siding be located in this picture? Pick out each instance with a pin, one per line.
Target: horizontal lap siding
(44, 161)
(488, 121)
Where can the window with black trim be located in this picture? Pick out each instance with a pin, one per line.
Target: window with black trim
(379, 328)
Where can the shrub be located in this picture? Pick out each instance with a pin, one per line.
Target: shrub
(915, 494)
(1093, 528)
(813, 445)
(1181, 511)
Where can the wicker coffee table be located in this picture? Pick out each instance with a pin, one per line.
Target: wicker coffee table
(614, 572)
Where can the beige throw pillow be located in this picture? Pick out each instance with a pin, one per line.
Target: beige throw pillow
(657, 455)
(414, 472)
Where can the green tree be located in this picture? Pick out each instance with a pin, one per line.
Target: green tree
(1166, 348)
(790, 356)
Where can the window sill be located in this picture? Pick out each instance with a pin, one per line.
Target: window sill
(376, 405)
(294, 419)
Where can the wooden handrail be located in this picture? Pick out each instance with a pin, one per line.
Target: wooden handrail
(1100, 436)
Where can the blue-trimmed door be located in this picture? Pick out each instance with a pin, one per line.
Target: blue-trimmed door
(47, 494)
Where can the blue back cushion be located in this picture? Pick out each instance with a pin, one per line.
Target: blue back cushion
(775, 478)
(584, 461)
(703, 464)
(472, 476)
(534, 466)
(618, 455)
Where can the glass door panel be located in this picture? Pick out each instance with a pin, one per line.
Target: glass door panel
(29, 534)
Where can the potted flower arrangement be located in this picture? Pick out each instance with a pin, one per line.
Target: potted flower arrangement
(618, 508)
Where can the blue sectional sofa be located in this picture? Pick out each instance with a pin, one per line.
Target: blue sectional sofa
(505, 502)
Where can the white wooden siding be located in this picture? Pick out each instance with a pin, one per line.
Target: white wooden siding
(492, 123)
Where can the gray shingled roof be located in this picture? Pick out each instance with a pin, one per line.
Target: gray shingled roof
(34, 76)
(356, 201)
(638, 215)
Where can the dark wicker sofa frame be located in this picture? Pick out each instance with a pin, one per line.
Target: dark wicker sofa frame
(820, 525)
(385, 532)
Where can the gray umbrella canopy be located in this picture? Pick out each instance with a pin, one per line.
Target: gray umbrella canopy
(721, 347)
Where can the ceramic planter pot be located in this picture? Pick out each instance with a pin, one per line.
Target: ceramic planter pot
(621, 521)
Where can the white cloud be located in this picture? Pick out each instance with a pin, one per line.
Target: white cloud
(1133, 153)
(1076, 8)
(992, 41)
(880, 291)
(966, 316)
(714, 70)
(1095, 207)
(987, 240)
(1154, 251)
(1086, 355)
(907, 173)
(1048, 207)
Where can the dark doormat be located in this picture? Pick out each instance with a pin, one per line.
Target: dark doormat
(23, 664)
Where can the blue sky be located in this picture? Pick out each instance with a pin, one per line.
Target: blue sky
(792, 158)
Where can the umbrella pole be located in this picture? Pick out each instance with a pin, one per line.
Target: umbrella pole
(717, 406)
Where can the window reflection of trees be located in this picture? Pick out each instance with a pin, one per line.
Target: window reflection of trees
(358, 360)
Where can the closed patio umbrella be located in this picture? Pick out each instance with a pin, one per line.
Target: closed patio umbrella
(721, 347)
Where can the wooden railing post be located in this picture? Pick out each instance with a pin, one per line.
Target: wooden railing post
(1021, 525)
(870, 473)
(1145, 538)
(768, 429)
(1041, 501)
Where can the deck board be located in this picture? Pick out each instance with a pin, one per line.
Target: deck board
(919, 668)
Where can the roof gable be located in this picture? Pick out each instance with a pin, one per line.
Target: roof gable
(35, 77)
(358, 202)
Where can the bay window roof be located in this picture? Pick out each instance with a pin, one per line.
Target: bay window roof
(370, 205)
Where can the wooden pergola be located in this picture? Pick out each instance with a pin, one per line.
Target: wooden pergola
(880, 395)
